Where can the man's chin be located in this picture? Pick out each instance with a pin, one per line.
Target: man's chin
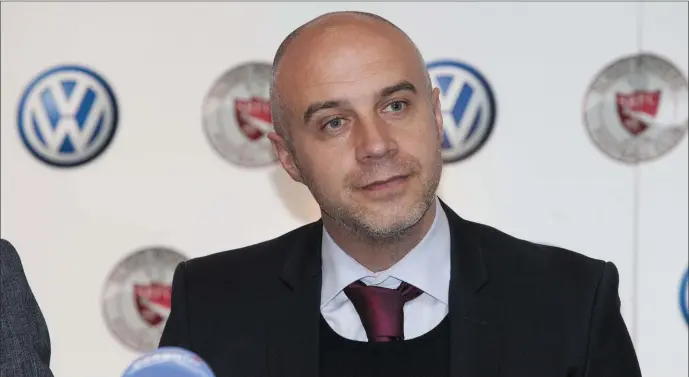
(393, 221)
(399, 206)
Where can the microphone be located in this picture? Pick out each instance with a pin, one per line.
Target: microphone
(169, 362)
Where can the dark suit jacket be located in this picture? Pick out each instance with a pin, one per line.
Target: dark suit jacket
(24, 338)
(517, 309)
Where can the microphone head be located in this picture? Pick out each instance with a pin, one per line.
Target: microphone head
(169, 362)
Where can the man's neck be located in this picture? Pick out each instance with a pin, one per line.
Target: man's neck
(379, 254)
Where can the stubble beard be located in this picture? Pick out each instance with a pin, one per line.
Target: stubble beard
(372, 227)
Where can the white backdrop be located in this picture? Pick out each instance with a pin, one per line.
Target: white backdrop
(538, 177)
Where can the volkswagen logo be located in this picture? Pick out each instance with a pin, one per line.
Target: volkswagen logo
(67, 116)
(468, 107)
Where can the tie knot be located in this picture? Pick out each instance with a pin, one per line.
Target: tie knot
(381, 309)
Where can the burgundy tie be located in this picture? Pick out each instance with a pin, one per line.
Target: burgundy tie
(380, 309)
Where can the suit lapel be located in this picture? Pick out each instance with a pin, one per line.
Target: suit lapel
(475, 319)
(293, 329)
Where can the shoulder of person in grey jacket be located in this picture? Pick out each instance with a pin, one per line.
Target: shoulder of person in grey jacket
(24, 337)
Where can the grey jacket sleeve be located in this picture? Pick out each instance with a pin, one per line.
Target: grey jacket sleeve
(24, 338)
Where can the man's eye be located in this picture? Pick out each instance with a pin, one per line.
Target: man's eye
(333, 123)
(396, 106)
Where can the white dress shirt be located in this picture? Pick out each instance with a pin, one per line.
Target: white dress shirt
(426, 266)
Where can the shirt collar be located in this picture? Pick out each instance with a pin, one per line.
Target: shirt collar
(426, 266)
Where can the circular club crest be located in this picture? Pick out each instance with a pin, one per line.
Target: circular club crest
(636, 108)
(236, 115)
(136, 297)
(67, 116)
(468, 108)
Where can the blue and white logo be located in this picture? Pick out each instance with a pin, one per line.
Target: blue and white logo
(683, 296)
(468, 106)
(67, 116)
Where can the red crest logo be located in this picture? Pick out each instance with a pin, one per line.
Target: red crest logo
(151, 300)
(253, 116)
(638, 102)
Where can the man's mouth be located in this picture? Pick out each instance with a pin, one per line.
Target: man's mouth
(385, 183)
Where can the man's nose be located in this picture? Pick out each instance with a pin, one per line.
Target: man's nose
(374, 140)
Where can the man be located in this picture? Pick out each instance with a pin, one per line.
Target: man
(24, 338)
(390, 281)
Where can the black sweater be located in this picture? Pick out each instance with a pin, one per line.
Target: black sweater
(424, 356)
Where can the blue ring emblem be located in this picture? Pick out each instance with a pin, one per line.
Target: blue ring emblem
(67, 116)
(468, 107)
(683, 296)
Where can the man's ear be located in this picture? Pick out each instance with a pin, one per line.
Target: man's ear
(437, 111)
(284, 154)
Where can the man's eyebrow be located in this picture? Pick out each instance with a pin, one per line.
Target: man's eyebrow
(318, 106)
(331, 104)
(400, 86)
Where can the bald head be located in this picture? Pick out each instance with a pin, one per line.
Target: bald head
(338, 31)
(330, 20)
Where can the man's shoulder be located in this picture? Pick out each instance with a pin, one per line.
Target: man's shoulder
(515, 258)
(11, 267)
(8, 254)
(260, 259)
(27, 343)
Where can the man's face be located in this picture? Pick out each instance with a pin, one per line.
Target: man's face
(365, 131)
